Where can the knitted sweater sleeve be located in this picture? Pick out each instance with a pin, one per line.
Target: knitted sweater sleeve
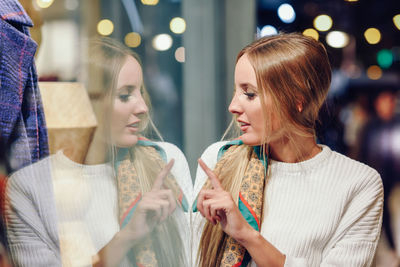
(356, 237)
(29, 237)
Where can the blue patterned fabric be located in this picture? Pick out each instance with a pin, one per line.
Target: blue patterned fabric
(23, 134)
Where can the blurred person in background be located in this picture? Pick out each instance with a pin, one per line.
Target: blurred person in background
(379, 148)
(125, 206)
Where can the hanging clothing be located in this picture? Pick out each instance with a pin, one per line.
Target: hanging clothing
(23, 134)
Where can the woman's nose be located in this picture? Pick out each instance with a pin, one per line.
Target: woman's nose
(235, 107)
(140, 106)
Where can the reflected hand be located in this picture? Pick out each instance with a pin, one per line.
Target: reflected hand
(154, 207)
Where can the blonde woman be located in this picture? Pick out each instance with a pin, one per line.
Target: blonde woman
(125, 206)
(273, 196)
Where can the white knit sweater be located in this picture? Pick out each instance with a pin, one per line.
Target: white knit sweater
(325, 211)
(62, 213)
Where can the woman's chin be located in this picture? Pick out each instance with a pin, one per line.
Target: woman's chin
(250, 140)
(127, 141)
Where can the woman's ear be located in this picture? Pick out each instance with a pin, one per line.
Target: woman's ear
(299, 102)
(299, 106)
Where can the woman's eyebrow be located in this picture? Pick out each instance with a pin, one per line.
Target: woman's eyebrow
(129, 88)
(246, 86)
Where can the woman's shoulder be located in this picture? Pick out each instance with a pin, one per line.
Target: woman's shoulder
(169, 148)
(181, 167)
(211, 152)
(352, 171)
(210, 158)
(173, 152)
(32, 176)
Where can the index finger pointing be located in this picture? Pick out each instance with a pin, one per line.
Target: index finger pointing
(158, 182)
(211, 175)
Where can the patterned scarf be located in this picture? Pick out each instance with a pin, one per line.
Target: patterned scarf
(250, 202)
(129, 195)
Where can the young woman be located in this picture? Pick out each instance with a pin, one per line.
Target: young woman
(275, 197)
(122, 207)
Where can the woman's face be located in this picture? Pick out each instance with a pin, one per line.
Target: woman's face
(128, 105)
(246, 104)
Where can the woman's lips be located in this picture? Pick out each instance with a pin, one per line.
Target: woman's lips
(134, 127)
(244, 126)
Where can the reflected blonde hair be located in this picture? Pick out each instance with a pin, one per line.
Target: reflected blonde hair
(294, 72)
(107, 58)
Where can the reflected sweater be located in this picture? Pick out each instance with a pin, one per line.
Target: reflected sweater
(325, 211)
(60, 213)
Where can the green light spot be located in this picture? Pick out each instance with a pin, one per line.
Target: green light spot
(384, 58)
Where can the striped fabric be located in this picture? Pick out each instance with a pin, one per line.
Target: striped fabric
(325, 211)
(22, 125)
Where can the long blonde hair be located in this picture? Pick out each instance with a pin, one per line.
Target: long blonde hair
(293, 71)
(107, 58)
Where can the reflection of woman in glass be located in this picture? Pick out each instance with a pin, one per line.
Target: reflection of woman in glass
(275, 197)
(100, 214)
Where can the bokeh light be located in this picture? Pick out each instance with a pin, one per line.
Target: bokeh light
(268, 30)
(384, 58)
(323, 23)
(162, 42)
(396, 21)
(337, 39)
(150, 2)
(374, 72)
(180, 54)
(105, 27)
(311, 33)
(177, 25)
(286, 13)
(372, 35)
(44, 3)
(132, 39)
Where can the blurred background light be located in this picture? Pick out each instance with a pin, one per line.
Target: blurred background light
(150, 2)
(180, 54)
(44, 3)
(323, 23)
(286, 13)
(337, 39)
(177, 25)
(162, 42)
(396, 21)
(71, 4)
(384, 58)
(353, 71)
(396, 53)
(132, 39)
(268, 30)
(311, 33)
(372, 35)
(105, 27)
(374, 72)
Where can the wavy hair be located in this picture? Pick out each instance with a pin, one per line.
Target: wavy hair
(293, 71)
(107, 57)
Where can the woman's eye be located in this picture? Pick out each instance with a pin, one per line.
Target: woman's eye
(124, 98)
(250, 95)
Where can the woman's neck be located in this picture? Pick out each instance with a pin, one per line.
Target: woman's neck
(97, 152)
(293, 151)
